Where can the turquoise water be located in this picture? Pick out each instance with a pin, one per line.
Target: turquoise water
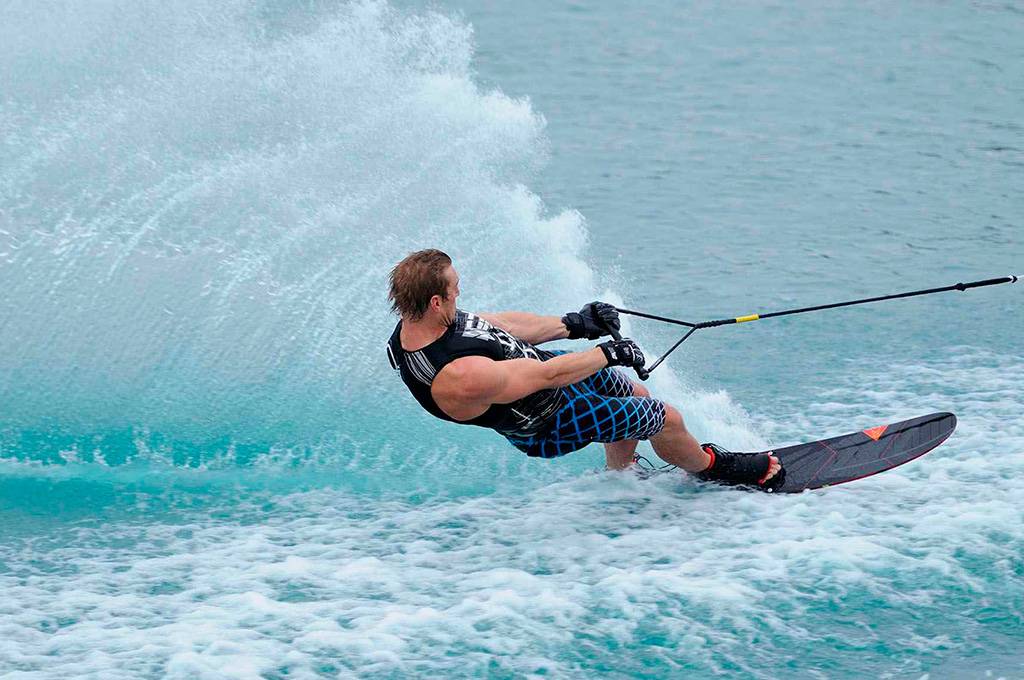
(207, 469)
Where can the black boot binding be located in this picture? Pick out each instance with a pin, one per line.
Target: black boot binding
(728, 467)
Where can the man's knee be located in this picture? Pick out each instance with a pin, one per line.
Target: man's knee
(673, 420)
(640, 391)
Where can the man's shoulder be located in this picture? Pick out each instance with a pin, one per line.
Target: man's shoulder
(471, 325)
(467, 366)
(465, 375)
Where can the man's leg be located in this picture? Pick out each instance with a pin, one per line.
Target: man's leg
(675, 445)
(619, 455)
(609, 408)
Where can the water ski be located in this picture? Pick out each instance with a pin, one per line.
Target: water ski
(861, 454)
(842, 459)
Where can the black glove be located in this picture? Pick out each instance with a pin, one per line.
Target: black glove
(592, 322)
(623, 352)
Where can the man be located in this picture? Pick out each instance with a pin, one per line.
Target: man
(486, 370)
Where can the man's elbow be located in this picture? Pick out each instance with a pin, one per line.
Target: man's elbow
(541, 377)
(549, 376)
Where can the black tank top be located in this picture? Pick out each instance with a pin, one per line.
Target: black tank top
(469, 335)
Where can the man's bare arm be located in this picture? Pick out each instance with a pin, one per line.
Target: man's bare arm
(533, 328)
(467, 387)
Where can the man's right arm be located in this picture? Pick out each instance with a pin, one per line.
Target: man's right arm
(472, 383)
(467, 387)
(502, 382)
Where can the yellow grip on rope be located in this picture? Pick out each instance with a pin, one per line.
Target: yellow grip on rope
(748, 317)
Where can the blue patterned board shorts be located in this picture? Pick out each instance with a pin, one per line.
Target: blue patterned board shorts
(600, 408)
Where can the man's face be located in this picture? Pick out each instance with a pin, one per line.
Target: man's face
(447, 306)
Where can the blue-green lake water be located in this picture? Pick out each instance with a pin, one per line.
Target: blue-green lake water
(207, 469)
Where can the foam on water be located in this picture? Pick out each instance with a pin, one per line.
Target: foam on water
(600, 571)
(196, 238)
(208, 471)
(196, 233)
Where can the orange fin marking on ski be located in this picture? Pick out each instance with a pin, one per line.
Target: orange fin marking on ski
(875, 432)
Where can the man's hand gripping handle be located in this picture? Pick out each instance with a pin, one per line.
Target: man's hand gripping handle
(641, 372)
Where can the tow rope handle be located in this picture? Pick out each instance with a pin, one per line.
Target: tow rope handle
(644, 373)
(641, 372)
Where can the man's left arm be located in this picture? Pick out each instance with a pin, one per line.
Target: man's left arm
(591, 322)
(533, 328)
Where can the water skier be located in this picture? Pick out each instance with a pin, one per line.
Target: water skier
(486, 370)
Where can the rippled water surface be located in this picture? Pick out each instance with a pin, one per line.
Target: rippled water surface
(208, 470)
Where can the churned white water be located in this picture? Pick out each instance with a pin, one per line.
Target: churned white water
(207, 468)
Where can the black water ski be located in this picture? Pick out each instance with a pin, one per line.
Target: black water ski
(861, 454)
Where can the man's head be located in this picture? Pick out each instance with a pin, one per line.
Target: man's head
(424, 283)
